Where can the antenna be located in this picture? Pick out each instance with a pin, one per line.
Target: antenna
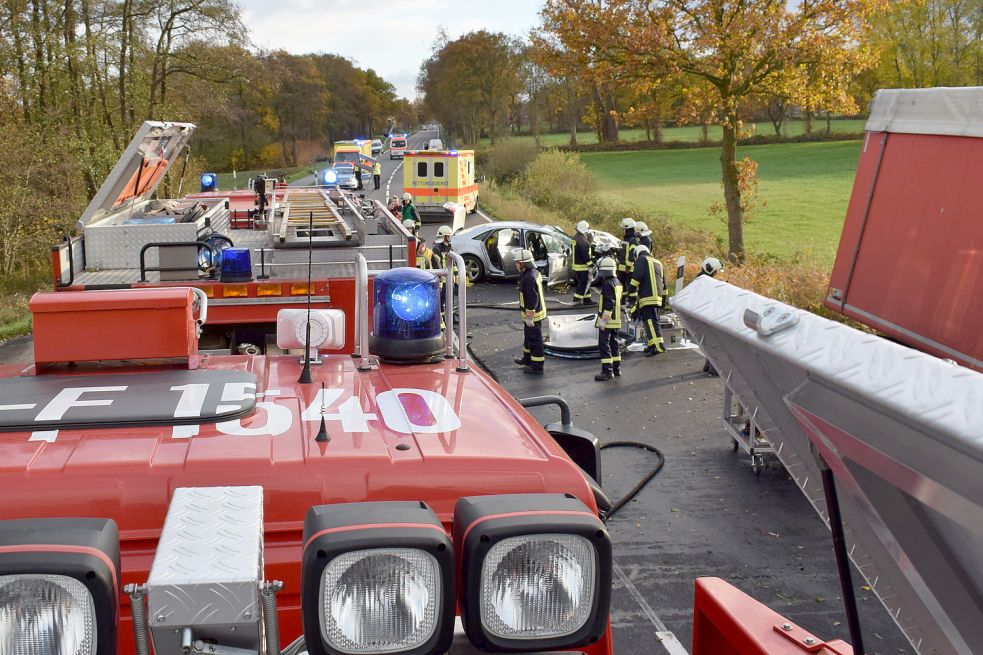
(322, 433)
(305, 374)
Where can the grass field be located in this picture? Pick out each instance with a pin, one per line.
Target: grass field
(806, 187)
(694, 132)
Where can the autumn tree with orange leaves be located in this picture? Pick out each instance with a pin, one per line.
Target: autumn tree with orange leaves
(731, 51)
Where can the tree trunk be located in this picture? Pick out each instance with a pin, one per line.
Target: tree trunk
(704, 134)
(807, 122)
(732, 191)
(829, 126)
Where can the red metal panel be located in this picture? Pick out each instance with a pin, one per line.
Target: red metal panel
(729, 622)
(114, 325)
(918, 269)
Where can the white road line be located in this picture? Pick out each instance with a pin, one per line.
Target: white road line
(488, 219)
(666, 637)
(390, 180)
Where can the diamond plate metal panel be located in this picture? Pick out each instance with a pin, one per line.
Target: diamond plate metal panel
(209, 560)
(118, 246)
(903, 432)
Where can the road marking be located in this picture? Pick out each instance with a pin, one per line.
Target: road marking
(666, 637)
(488, 219)
(390, 180)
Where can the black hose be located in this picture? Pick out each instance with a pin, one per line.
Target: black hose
(621, 502)
(573, 308)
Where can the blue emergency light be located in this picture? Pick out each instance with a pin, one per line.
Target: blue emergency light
(406, 316)
(329, 177)
(236, 265)
(209, 182)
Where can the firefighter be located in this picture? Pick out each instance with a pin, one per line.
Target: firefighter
(259, 186)
(608, 319)
(626, 253)
(532, 310)
(710, 267)
(410, 227)
(376, 174)
(426, 259)
(648, 289)
(644, 235)
(583, 256)
(358, 176)
(409, 210)
(442, 245)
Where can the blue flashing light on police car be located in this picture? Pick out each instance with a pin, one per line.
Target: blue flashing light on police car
(209, 182)
(236, 265)
(329, 177)
(406, 316)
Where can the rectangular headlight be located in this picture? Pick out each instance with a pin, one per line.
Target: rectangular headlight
(535, 571)
(377, 578)
(58, 587)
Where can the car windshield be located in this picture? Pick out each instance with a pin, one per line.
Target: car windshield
(560, 230)
(344, 168)
(347, 156)
(399, 143)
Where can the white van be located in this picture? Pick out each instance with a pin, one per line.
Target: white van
(435, 144)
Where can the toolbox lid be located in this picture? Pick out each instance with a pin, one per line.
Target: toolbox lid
(115, 299)
(955, 111)
(140, 168)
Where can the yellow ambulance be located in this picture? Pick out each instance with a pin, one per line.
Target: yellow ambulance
(357, 153)
(436, 177)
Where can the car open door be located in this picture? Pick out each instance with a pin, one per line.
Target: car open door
(557, 259)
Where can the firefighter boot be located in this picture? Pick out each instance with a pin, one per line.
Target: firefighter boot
(617, 371)
(604, 375)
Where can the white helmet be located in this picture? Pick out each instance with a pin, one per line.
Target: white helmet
(711, 266)
(642, 229)
(583, 226)
(641, 249)
(523, 255)
(627, 223)
(407, 196)
(443, 231)
(409, 224)
(607, 264)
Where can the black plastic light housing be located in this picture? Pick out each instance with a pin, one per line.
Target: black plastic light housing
(84, 549)
(481, 522)
(331, 531)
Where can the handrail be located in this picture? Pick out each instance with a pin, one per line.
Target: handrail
(362, 311)
(172, 244)
(455, 259)
(541, 401)
(71, 264)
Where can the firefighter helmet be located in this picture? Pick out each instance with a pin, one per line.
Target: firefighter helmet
(443, 231)
(407, 197)
(607, 264)
(711, 266)
(409, 224)
(523, 255)
(627, 223)
(583, 226)
(641, 249)
(642, 229)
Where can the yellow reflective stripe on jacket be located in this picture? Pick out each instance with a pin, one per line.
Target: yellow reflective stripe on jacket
(580, 267)
(615, 322)
(655, 284)
(541, 314)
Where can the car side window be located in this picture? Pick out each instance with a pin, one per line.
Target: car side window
(438, 169)
(421, 169)
(535, 244)
(553, 244)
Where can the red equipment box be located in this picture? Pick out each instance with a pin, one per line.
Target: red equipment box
(83, 326)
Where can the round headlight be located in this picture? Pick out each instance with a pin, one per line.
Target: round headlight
(380, 600)
(537, 586)
(46, 615)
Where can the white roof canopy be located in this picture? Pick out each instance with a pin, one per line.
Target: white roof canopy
(952, 111)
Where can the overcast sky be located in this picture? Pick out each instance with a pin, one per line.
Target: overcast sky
(393, 37)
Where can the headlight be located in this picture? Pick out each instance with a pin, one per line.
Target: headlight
(46, 615)
(58, 587)
(537, 586)
(380, 600)
(377, 578)
(535, 571)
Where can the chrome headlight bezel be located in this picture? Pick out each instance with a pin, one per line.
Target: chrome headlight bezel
(373, 528)
(84, 550)
(482, 523)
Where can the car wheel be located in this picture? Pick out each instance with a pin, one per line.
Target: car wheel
(475, 269)
(474, 210)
